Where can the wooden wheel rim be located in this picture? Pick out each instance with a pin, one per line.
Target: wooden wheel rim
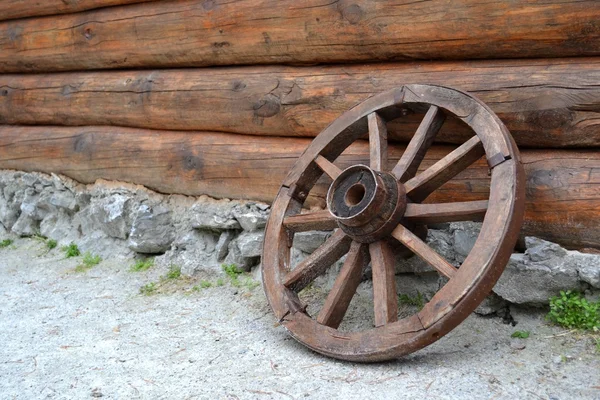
(472, 281)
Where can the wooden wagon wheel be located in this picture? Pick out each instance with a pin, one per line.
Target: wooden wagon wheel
(370, 204)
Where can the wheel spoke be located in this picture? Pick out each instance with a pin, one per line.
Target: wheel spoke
(420, 248)
(377, 142)
(317, 263)
(419, 144)
(345, 286)
(384, 283)
(421, 186)
(446, 212)
(313, 221)
(328, 167)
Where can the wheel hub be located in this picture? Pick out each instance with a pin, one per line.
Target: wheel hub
(366, 204)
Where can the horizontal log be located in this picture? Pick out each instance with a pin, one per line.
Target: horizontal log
(544, 103)
(188, 33)
(563, 186)
(12, 9)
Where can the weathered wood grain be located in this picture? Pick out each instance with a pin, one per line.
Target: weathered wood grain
(544, 103)
(218, 32)
(563, 186)
(12, 9)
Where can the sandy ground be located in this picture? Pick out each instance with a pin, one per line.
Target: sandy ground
(75, 335)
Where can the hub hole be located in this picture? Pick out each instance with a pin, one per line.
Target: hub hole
(354, 195)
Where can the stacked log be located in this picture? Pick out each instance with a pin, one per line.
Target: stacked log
(544, 103)
(563, 187)
(168, 128)
(13, 9)
(184, 33)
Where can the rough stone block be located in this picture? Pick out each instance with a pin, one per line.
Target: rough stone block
(310, 241)
(152, 230)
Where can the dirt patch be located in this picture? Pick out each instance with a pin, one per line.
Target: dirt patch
(92, 334)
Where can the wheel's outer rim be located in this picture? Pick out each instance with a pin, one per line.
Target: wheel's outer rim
(472, 282)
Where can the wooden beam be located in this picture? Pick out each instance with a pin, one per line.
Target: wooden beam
(544, 103)
(13, 9)
(563, 186)
(187, 33)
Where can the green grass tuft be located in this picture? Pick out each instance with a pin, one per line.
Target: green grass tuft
(142, 265)
(51, 244)
(205, 284)
(220, 282)
(89, 260)
(231, 270)
(5, 243)
(174, 272)
(71, 250)
(520, 334)
(573, 311)
(148, 289)
(416, 301)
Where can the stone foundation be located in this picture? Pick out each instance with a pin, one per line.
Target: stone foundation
(115, 219)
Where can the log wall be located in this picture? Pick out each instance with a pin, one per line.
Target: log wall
(218, 32)
(13, 9)
(544, 103)
(563, 187)
(234, 128)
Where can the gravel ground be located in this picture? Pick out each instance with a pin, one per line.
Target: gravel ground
(75, 335)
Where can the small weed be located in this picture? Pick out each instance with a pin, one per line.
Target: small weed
(174, 272)
(205, 284)
(231, 270)
(251, 284)
(89, 260)
(148, 289)
(202, 285)
(573, 311)
(220, 282)
(142, 265)
(51, 244)
(71, 250)
(416, 301)
(520, 334)
(5, 243)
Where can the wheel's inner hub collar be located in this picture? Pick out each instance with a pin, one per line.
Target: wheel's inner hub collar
(367, 204)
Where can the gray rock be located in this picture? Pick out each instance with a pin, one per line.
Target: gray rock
(588, 266)
(528, 282)
(222, 247)
(542, 250)
(58, 226)
(112, 215)
(464, 237)
(64, 199)
(214, 215)
(426, 284)
(30, 205)
(490, 305)
(98, 243)
(194, 251)
(9, 213)
(26, 225)
(152, 230)
(250, 216)
(250, 243)
(245, 250)
(310, 241)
